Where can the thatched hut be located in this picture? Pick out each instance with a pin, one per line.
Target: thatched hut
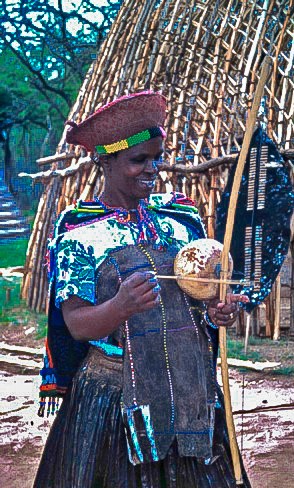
(206, 58)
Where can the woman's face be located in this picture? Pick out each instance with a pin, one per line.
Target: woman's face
(131, 174)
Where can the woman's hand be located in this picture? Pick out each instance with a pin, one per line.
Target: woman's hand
(225, 314)
(138, 293)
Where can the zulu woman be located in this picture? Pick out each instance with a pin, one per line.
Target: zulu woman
(131, 357)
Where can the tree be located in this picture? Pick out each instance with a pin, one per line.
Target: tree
(56, 39)
(46, 47)
(20, 109)
(6, 122)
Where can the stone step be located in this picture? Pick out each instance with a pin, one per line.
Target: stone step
(13, 232)
(7, 198)
(12, 224)
(3, 190)
(9, 214)
(5, 224)
(5, 205)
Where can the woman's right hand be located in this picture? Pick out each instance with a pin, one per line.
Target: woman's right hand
(138, 293)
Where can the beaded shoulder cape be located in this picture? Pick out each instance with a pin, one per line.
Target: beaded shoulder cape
(64, 354)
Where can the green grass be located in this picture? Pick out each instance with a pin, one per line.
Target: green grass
(15, 311)
(42, 325)
(286, 370)
(256, 341)
(13, 252)
(236, 351)
(265, 349)
(29, 214)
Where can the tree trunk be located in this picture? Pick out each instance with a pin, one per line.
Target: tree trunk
(8, 163)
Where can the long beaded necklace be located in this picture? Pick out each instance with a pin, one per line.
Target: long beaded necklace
(166, 353)
(123, 216)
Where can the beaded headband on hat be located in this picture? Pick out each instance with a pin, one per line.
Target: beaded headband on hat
(120, 124)
(131, 141)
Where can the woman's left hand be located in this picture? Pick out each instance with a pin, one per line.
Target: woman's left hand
(225, 314)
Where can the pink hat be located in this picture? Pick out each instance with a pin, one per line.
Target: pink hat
(120, 124)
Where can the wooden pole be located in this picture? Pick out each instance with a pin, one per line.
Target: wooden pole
(240, 326)
(255, 319)
(247, 332)
(225, 264)
(268, 332)
(7, 294)
(277, 322)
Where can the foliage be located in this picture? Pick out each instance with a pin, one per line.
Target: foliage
(6, 104)
(18, 102)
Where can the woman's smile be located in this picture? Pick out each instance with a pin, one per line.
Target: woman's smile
(146, 183)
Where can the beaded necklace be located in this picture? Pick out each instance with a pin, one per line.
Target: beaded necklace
(123, 216)
(166, 353)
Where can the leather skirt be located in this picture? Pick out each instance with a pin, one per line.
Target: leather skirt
(87, 448)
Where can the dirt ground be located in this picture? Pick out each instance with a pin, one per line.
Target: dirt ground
(266, 438)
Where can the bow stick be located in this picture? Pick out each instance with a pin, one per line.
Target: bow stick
(250, 125)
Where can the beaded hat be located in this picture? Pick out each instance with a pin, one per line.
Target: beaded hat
(123, 123)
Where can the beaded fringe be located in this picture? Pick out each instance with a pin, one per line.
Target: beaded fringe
(52, 404)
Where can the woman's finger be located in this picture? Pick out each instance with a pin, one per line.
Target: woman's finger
(152, 295)
(138, 278)
(150, 284)
(227, 308)
(235, 298)
(226, 317)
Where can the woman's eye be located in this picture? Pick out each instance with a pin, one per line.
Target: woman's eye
(139, 160)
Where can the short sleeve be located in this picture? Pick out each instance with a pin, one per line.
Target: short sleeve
(75, 271)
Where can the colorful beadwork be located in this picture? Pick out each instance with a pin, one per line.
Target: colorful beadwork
(131, 141)
(123, 216)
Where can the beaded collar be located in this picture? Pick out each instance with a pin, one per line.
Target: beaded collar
(147, 231)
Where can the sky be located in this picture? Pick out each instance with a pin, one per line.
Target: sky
(68, 6)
